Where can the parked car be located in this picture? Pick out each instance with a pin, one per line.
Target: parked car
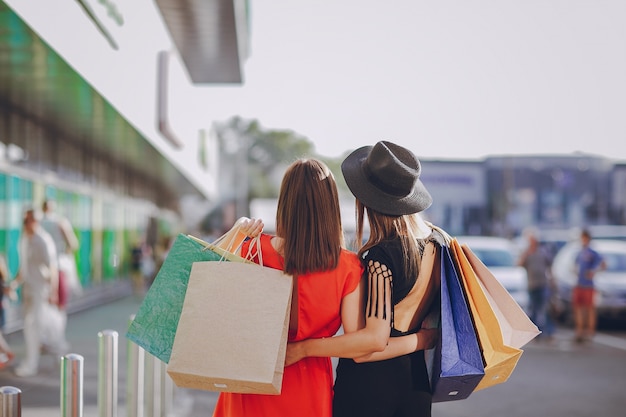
(500, 256)
(610, 284)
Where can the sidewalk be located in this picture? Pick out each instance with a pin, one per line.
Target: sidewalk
(41, 393)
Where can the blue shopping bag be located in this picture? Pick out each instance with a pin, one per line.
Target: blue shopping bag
(457, 363)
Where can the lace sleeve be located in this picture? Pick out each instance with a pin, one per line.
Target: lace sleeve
(380, 287)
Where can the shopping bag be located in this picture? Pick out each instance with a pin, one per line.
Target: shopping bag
(499, 359)
(232, 332)
(67, 266)
(52, 332)
(154, 325)
(457, 363)
(517, 328)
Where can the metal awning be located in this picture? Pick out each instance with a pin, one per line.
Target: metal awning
(38, 82)
(211, 37)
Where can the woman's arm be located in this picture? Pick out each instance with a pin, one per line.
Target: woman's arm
(350, 345)
(366, 336)
(422, 340)
(361, 337)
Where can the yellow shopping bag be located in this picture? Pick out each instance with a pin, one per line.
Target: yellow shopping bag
(500, 359)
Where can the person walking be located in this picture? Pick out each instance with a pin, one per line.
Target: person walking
(38, 276)
(66, 243)
(403, 252)
(6, 354)
(537, 263)
(588, 263)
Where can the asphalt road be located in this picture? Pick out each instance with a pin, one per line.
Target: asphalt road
(557, 379)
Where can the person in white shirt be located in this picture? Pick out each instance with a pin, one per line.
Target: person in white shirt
(38, 276)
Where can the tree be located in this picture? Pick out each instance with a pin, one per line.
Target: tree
(264, 152)
(252, 163)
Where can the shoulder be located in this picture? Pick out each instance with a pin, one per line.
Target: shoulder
(349, 258)
(384, 251)
(437, 237)
(264, 241)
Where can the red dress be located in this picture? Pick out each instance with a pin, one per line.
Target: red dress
(308, 384)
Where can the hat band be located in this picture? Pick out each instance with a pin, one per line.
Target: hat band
(386, 187)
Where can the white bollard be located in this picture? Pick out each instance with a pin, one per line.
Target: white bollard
(107, 373)
(167, 392)
(153, 386)
(10, 402)
(135, 375)
(72, 371)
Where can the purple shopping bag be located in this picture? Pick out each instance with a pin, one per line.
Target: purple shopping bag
(457, 363)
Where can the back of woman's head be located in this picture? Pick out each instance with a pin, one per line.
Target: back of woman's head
(388, 227)
(308, 218)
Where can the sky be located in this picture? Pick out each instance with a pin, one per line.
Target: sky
(450, 79)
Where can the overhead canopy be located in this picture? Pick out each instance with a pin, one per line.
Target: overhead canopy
(37, 82)
(210, 35)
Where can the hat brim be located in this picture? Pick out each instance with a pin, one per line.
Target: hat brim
(419, 199)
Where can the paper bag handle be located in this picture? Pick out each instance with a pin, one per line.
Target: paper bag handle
(255, 242)
(228, 242)
(229, 238)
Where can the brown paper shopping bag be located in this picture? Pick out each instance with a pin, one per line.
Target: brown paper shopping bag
(232, 332)
(517, 328)
(500, 359)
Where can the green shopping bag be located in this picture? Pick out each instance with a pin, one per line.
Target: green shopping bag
(154, 326)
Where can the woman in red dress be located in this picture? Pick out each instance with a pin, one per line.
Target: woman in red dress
(309, 246)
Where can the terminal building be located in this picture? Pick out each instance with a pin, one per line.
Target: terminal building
(503, 195)
(92, 115)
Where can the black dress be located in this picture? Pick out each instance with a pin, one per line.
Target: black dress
(394, 387)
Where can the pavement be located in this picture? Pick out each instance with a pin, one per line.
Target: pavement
(41, 394)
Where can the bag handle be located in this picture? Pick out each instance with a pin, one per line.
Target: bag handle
(233, 240)
(255, 243)
(228, 240)
(224, 246)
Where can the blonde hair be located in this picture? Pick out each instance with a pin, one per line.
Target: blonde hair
(386, 227)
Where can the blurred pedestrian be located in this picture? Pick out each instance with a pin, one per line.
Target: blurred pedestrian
(588, 262)
(38, 276)
(6, 354)
(161, 252)
(66, 244)
(536, 261)
(148, 265)
(142, 267)
(136, 276)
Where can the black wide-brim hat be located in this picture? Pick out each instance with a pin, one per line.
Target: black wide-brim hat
(385, 177)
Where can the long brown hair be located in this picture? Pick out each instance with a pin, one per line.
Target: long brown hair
(386, 227)
(308, 218)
